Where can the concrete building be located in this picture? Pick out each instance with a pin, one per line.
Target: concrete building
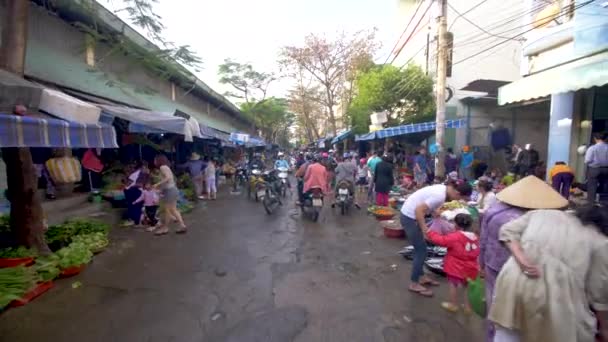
(484, 57)
(61, 53)
(565, 62)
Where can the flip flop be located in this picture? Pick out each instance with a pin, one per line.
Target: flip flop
(181, 231)
(430, 282)
(161, 232)
(449, 307)
(424, 293)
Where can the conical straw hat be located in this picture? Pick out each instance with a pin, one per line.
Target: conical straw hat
(532, 193)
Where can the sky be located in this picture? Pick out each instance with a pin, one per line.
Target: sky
(253, 32)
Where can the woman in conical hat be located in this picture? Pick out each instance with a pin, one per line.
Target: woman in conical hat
(557, 271)
(512, 202)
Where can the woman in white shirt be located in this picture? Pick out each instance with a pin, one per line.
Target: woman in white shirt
(486, 197)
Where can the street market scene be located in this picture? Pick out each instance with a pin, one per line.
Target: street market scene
(370, 170)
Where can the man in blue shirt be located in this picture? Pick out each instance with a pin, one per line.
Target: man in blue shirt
(596, 159)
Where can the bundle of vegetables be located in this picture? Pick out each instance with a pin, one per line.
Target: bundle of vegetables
(452, 206)
(15, 282)
(47, 267)
(94, 241)
(76, 254)
(61, 235)
(16, 252)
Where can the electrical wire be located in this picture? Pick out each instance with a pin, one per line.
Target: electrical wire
(404, 31)
(465, 12)
(524, 32)
(472, 23)
(413, 32)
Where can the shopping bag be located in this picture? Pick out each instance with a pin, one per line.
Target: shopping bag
(476, 293)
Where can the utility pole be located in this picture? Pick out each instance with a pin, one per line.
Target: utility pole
(440, 86)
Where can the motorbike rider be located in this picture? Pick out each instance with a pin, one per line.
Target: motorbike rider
(281, 162)
(315, 176)
(346, 171)
(256, 162)
(300, 173)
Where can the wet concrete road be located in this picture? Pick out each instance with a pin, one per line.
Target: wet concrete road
(242, 276)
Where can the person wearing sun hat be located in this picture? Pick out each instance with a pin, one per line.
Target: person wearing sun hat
(511, 203)
(195, 167)
(558, 269)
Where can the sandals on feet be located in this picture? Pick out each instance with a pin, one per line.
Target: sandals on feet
(422, 291)
(161, 232)
(182, 230)
(449, 306)
(429, 282)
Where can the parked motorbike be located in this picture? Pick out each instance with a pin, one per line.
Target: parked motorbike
(312, 204)
(269, 189)
(240, 179)
(344, 199)
(283, 176)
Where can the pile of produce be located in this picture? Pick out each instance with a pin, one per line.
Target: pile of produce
(453, 205)
(61, 235)
(47, 267)
(16, 252)
(76, 254)
(94, 241)
(15, 282)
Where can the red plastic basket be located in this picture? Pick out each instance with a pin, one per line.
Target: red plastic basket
(32, 294)
(14, 262)
(71, 271)
(394, 233)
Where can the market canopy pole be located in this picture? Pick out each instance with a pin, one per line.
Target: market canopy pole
(26, 210)
(442, 61)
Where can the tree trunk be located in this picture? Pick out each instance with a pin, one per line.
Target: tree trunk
(330, 107)
(26, 210)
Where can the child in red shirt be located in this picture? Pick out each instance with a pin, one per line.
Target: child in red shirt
(460, 263)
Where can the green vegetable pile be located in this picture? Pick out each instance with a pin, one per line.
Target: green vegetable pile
(17, 252)
(15, 282)
(76, 254)
(94, 241)
(47, 267)
(61, 235)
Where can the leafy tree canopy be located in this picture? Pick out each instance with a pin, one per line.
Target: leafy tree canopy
(407, 95)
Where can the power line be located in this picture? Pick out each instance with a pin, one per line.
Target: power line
(524, 32)
(465, 12)
(403, 33)
(472, 23)
(413, 32)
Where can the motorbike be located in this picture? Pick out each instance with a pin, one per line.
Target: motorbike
(283, 176)
(344, 198)
(269, 190)
(312, 204)
(240, 179)
(255, 178)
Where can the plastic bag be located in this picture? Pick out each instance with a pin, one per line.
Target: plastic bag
(476, 292)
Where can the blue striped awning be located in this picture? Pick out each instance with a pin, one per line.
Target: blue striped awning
(416, 128)
(26, 131)
(340, 137)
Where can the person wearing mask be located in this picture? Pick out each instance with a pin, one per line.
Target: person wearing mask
(553, 288)
(596, 159)
(450, 161)
(316, 177)
(561, 177)
(281, 162)
(413, 220)
(466, 163)
(346, 171)
(384, 180)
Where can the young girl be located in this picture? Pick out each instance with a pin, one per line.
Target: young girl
(150, 198)
(460, 263)
(210, 180)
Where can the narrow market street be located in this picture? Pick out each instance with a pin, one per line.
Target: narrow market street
(241, 275)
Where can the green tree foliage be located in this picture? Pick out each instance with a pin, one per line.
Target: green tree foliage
(406, 94)
(250, 85)
(272, 117)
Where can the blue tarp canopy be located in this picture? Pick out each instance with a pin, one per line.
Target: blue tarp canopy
(409, 129)
(212, 133)
(26, 131)
(255, 142)
(341, 137)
